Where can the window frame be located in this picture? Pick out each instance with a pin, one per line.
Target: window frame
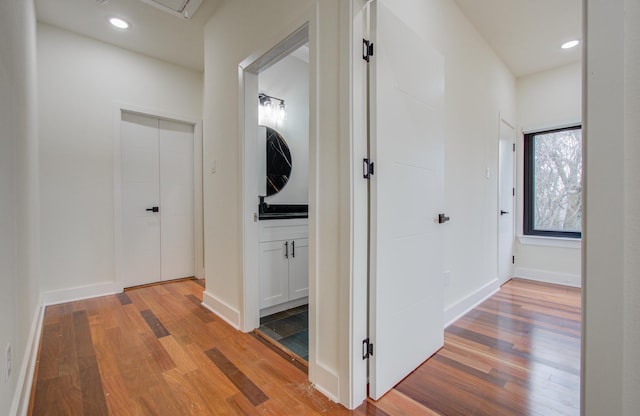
(528, 216)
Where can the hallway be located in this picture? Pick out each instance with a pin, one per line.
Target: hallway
(156, 350)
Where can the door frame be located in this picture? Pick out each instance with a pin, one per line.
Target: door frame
(198, 223)
(298, 33)
(248, 72)
(501, 121)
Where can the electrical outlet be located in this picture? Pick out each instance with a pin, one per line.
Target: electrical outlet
(7, 373)
(447, 278)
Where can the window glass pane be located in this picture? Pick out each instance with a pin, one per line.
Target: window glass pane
(558, 181)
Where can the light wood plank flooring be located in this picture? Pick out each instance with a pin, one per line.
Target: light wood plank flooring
(157, 351)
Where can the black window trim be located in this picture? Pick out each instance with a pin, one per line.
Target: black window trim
(529, 186)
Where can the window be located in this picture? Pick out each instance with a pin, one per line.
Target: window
(553, 183)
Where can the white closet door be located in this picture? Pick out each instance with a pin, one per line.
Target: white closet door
(177, 253)
(140, 192)
(406, 304)
(157, 171)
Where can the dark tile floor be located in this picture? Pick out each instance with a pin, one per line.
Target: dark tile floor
(290, 329)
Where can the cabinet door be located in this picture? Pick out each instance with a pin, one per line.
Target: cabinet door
(299, 269)
(274, 273)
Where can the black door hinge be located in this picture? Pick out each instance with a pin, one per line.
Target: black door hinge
(513, 191)
(367, 349)
(513, 259)
(367, 50)
(514, 147)
(367, 168)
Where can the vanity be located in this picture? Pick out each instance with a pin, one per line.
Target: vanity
(283, 236)
(284, 264)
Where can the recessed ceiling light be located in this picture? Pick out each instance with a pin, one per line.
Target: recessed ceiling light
(119, 23)
(570, 44)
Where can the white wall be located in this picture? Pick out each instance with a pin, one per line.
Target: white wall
(289, 79)
(478, 89)
(19, 294)
(547, 100)
(80, 80)
(611, 247)
(631, 341)
(256, 26)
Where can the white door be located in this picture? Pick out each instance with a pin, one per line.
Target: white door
(157, 200)
(177, 251)
(506, 190)
(406, 276)
(140, 192)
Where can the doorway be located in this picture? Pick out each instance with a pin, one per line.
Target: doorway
(276, 194)
(157, 199)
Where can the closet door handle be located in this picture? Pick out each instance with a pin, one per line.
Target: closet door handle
(153, 209)
(293, 249)
(442, 218)
(286, 249)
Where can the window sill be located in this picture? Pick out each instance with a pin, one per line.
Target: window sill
(535, 240)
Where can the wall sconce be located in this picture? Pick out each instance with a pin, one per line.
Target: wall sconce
(270, 113)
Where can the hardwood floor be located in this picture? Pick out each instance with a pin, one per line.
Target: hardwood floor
(157, 351)
(518, 353)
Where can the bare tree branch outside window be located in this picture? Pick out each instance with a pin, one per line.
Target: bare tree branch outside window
(556, 194)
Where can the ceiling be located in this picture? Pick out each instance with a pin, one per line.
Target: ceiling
(152, 32)
(526, 34)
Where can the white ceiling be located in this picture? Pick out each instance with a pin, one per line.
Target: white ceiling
(151, 32)
(526, 34)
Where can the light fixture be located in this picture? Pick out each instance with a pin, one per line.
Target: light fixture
(119, 23)
(570, 44)
(270, 113)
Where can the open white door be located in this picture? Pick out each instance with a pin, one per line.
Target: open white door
(406, 196)
(506, 223)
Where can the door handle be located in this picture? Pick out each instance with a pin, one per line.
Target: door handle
(153, 209)
(286, 249)
(442, 218)
(293, 249)
(503, 212)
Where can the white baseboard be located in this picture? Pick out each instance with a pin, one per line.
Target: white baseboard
(326, 381)
(546, 276)
(79, 293)
(22, 395)
(221, 309)
(457, 310)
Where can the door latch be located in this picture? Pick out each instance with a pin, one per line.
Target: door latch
(442, 218)
(153, 209)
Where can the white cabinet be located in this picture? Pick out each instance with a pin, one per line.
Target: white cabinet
(284, 262)
(299, 269)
